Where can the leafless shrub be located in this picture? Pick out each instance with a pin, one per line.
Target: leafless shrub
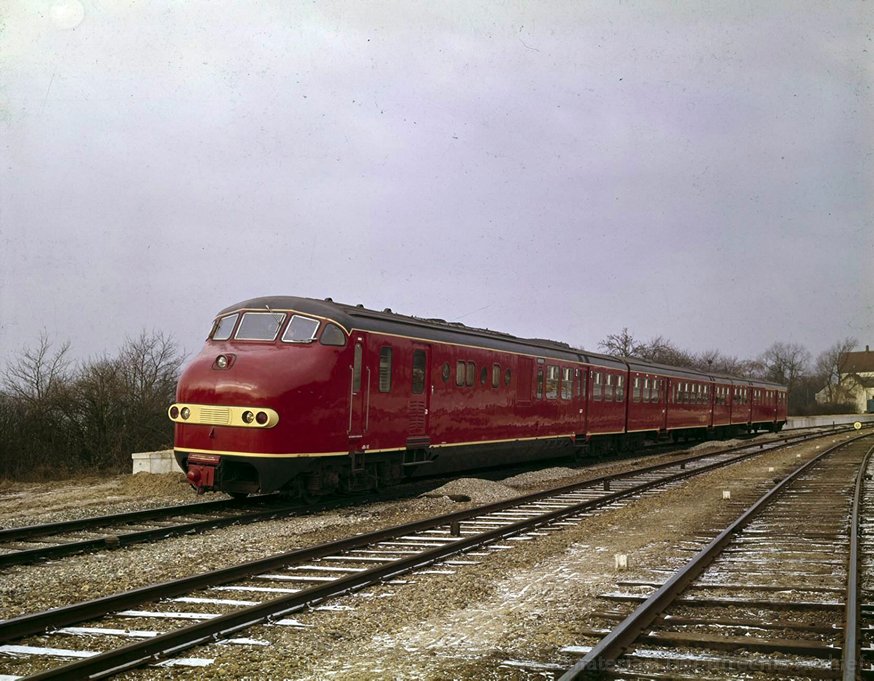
(88, 418)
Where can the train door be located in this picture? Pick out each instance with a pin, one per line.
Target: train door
(661, 388)
(420, 392)
(359, 393)
(581, 386)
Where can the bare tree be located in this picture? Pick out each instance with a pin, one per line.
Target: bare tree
(828, 369)
(148, 369)
(38, 372)
(663, 351)
(33, 416)
(716, 362)
(620, 344)
(96, 411)
(788, 364)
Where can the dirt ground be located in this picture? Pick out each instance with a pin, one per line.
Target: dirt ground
(23, 503)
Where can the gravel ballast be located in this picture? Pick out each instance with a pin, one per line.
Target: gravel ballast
(522, 604)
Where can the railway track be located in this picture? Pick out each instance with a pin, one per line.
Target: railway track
(19, 545)
(773, 595)
(220, 605)
(33, 543)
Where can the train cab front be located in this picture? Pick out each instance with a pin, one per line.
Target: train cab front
(258, 400)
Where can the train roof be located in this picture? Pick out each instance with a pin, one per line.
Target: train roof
(359, 317)
(643, 365)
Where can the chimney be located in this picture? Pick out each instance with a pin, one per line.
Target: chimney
(867, 349)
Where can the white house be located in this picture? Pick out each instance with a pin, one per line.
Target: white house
(857, 378)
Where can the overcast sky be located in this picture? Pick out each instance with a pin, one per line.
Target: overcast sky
(701, 171)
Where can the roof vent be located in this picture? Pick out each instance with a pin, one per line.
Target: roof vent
(360, 305)
(329, 300)
(388, 309)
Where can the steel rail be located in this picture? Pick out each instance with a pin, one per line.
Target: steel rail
(850, 654)
(602, 656)
(44, 529)
(25, 625)
(139, 536)
(135, 654)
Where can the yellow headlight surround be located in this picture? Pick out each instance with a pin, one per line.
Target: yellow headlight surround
(220, 415)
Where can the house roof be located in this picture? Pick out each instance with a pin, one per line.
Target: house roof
(857, 362)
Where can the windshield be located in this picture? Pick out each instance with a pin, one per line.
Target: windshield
(224, 327)
(300, 330)
(260, 326)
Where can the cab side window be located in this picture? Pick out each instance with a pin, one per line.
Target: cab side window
(333, 335)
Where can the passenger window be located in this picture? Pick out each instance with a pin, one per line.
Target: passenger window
(300, 330)
(539, 383)
(470, 374)
(620, 388)
(496, 375)
(551, 382)
(507, 377)
(333, 335)
(608, 389)
(385, 369)
(224, 327)
(483, 375)
(655, 395)
(635, 389)
(418, 372)
(567, 383)
(459, 372)
(596, 386)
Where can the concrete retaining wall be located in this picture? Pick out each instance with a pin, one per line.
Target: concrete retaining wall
(155, 462)
(837, 419)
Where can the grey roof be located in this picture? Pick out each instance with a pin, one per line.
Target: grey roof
(387, 321)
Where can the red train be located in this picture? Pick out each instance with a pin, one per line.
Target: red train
(311, 396)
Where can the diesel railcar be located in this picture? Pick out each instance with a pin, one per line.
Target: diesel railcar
(311, 396)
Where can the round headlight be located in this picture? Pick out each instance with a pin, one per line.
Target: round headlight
(174, 412)
(261, 418)
(221, 362)
(185, 413)
(248, 417)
